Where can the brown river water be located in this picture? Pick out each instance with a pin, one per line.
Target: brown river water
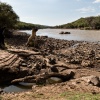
(75, 34)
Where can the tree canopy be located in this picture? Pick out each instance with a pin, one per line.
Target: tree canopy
(8, 17)
(92, 22)
(28, 26)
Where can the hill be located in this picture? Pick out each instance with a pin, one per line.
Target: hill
(92, 22)
(27, 26)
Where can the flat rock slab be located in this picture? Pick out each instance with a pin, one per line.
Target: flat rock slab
(8, 59)
(9, 66)
(28, 52)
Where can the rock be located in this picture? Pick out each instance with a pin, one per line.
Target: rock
(67, 33)
(24, 64)
(1, 90)
(92, 80)
(61, 32)
(87, 63)
(9, 66)
(95, 81)
(53, 80)
(8, 33)
(37, 66)
(12, 66)
(44, 71)
(52, 60)
(64, 32)
(54, 69)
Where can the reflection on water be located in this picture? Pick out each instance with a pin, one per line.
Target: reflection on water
(53, 80)
(80, 35)
(22, 86)
(18, 87)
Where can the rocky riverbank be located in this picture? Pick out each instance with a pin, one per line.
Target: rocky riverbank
(75, 63)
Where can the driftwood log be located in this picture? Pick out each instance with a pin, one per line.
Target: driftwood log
(38, 79)
(24, 53)
(14, 67)
(58, 64)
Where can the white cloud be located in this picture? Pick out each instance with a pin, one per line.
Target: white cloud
(96, 1)
(86, 10)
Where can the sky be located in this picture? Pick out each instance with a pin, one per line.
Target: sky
(54, 12)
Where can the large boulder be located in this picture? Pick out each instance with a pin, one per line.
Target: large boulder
(62, 32)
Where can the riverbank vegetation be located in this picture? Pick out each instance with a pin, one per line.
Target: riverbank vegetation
(87, 23)
(75, 63)
(10, 20)
(28, 26)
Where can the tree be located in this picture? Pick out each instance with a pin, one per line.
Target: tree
(96, 23)
(8, 17)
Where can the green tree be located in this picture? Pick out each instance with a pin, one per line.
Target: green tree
(8, 17)
(96, 23)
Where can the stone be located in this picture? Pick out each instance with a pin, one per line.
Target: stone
(52, 60)
(95, 81)
(86, 63)
(24, 64)
(1, 90)
(54, 69)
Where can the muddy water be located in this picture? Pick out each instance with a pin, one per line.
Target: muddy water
(20, 87)
(80, 35)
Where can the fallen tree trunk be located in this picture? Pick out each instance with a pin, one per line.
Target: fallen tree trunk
(58, 64)
(38, 79)
(21, 52)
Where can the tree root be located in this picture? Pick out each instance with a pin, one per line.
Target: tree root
(43, 77)
(25, 53)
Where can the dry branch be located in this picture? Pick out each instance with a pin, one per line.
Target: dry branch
(43, 77)
(24, 52)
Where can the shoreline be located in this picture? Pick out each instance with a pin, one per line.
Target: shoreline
(52, 56)
(72, 36)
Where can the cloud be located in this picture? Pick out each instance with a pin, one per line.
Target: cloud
(86, 10)
(96, 1)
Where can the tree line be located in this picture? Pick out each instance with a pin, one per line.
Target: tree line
(9, 19)
(28, 26)
(92, 22)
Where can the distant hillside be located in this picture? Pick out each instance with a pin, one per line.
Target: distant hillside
(27, 26)
(92, 22)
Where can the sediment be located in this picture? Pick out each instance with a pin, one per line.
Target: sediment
(71, 61)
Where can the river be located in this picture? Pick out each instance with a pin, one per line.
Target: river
(76, 34)
(80, 35)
